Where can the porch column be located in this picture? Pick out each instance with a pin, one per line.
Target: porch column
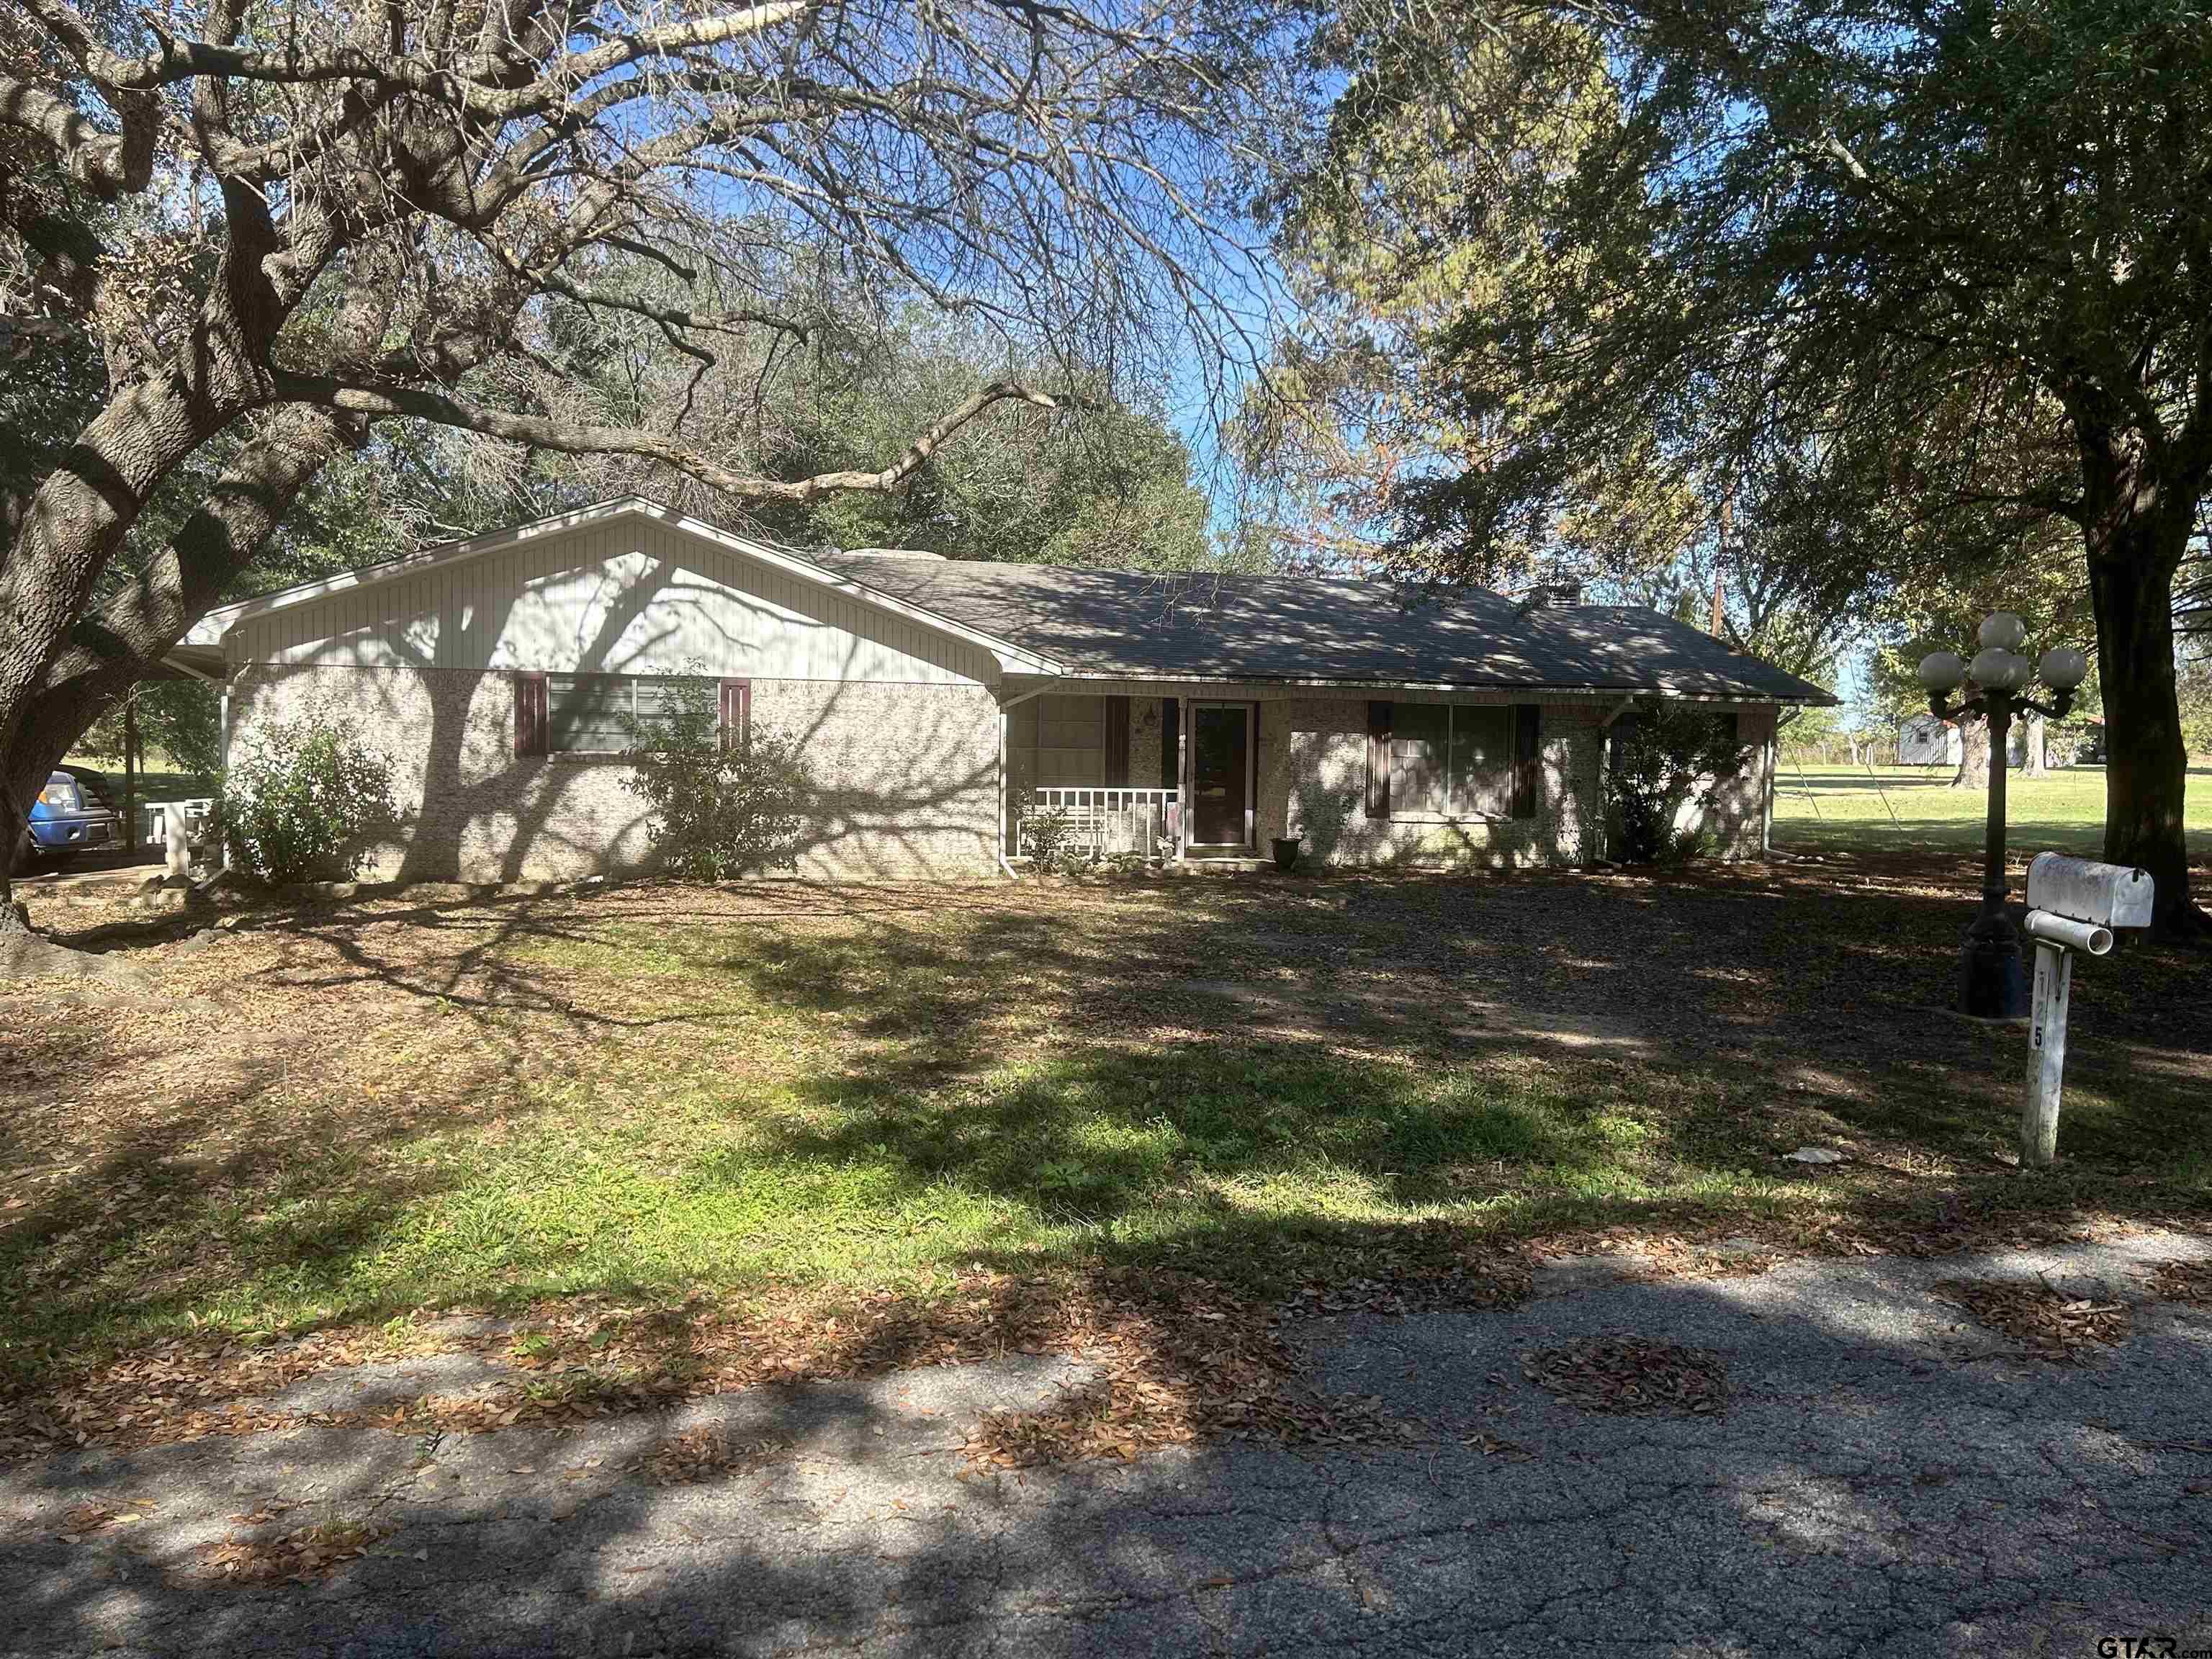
(1183, 781)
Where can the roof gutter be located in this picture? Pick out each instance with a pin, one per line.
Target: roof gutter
(1522, 689)
(195, 673)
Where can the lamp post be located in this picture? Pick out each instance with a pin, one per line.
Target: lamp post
(1990, 984)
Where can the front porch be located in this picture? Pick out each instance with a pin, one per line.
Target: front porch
(1085, 764)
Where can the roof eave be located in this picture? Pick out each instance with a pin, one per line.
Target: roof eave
(214, 628)
(1812, 696)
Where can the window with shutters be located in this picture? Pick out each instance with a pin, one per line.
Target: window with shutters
(610, 713)
(1452, 762)
(1057, 741)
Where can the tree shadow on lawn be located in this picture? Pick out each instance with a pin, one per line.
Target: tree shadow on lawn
(253, 1126)
(1779, 1009)
(1052, 1056)
(253, 1135)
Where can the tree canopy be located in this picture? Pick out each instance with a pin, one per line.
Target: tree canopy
(1941, 274)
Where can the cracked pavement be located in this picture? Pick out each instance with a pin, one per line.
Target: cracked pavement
(1889, 1478)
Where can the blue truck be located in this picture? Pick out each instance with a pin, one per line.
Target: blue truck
(73, 813)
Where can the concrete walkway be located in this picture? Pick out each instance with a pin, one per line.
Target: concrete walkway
(1888, 1478)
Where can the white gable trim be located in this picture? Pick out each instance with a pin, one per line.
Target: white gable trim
(212, 628)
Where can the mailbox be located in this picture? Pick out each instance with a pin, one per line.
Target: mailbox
(2082, 890)
(2073, 904)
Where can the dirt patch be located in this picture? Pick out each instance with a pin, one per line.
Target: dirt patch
(1172, 1378)
(28, 956)
(1625, 1373)
(2046, 1321)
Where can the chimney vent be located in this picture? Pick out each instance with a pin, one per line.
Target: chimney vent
(1547, 594)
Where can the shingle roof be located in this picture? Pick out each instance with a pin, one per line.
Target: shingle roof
(1124, 625)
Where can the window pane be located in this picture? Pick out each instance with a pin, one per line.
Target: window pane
(662, 698)
(1482, 762)
(1071, 742)
(587, 713)
(657, 699)
(1420, 734)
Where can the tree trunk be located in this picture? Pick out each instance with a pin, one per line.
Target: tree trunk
(96, 662)
(2033, 760)
(1973, 771)
(2145, 764)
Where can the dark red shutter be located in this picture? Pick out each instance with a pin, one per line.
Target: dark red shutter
(1378, 760)
(530, 721)
(1117, 743)
(1171, 743)
(1527, 762)
(736, 718)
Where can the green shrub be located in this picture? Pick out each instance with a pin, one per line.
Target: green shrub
(1047, 833)
(301, 798)
(1664, 758)
(718, 811)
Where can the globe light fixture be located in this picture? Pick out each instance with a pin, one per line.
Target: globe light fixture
(1998, 668)
(1941, 671)
(1991, 984)
(2063, 668)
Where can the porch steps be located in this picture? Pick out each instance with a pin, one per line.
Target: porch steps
(1204, 863)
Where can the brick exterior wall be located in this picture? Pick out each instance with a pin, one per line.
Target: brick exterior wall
(1735, 814)
(907, 775)
(1313, 781)
(908, 779)
(1145, 730)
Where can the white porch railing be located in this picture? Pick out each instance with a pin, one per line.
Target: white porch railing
(153, 817)
(1106, 821)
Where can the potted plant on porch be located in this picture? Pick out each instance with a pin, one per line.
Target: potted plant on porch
(1286, 848)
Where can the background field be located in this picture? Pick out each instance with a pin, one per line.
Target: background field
(1842, 808)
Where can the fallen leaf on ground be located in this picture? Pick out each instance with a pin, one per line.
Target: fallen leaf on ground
(1627, 1373)
(2047, 1322)
(302, 1556)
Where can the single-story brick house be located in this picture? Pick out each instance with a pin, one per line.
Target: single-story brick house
(1180, 717)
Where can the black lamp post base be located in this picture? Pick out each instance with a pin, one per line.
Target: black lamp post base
(1992, 980)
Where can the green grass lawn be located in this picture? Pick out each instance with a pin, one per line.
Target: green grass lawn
(659, 1094)
(1903, 808)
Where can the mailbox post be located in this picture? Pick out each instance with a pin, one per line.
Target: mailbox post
(2073, 904)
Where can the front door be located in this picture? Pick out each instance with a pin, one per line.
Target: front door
(1219, 759)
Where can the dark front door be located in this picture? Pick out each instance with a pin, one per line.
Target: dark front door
(1217, 737)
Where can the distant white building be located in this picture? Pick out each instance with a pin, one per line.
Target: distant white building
(1923, 740)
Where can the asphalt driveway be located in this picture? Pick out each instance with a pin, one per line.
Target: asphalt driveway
(1885, 1475)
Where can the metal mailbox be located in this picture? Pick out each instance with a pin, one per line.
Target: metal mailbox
(2073, 904)
(2082, 890)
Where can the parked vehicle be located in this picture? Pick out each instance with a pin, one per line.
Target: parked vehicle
(73, 812)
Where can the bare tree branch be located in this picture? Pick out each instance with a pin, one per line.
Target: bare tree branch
(418, 403)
